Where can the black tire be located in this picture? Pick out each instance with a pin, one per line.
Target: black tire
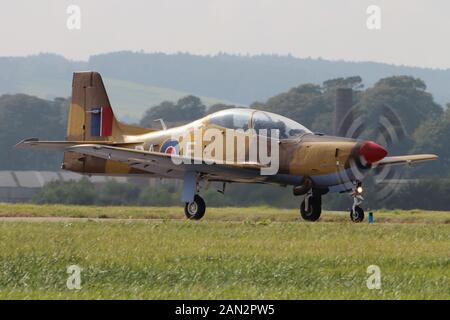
(195, 210)
(315, 208)
(357, 215)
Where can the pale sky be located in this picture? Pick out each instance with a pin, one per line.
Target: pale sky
(413, 32)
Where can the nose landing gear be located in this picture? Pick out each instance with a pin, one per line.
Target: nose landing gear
(356, 212)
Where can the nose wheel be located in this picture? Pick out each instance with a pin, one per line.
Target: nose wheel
(356, 212)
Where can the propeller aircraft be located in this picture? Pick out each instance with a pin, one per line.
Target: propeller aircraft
(273, 150)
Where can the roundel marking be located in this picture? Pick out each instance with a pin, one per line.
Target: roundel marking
(170, 147)
(170, 150)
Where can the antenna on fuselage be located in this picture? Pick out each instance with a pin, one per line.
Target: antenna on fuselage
(163, 124)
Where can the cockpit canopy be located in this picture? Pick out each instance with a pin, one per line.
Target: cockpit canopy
(248, 118)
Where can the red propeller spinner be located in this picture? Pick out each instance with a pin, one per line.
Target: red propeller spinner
(372, 152)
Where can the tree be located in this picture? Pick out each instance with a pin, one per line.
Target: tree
(159, 196)
(67, 192)
(393, 109)
(433, 136)
(218, 107)
(428, 194)
(405, 95)
(23, 116)
(305, 104)
(354, 83)
(191, 108)
(186, 109)
(116, 193)
(165, 110)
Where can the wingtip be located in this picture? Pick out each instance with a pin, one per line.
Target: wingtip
(24, 142)
(431, 156)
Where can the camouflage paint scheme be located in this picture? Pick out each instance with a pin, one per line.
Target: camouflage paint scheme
(329, 162)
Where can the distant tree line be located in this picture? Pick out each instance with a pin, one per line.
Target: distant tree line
(432, 195)
(84, 192)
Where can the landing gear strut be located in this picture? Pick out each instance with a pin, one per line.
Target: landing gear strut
(195, 207)
(356, 212)
(311, 206)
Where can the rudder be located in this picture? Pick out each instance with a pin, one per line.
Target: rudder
(91, 119)
(90, 115)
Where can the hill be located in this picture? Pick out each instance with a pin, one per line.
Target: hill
(246, 79)
(138, 80)
(49, 76)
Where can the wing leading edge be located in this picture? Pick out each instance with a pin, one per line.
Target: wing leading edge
(409, 159)
(34, 143)
(166, 165)
(152, 162)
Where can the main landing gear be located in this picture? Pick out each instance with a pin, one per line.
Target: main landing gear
(356, 212)
(195, 206)
(311, 206)
(195, 210)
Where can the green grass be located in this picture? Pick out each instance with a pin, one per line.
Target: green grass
(212, 214)
(259, 253)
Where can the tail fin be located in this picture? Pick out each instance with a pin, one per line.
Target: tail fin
(91, 117)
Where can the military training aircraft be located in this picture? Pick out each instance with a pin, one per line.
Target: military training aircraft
(313, 164)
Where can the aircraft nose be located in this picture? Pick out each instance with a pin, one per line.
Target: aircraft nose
(372, 152)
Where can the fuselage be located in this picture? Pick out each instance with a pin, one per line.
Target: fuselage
(329, 162)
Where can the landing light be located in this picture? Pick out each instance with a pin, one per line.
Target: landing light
(359, 189)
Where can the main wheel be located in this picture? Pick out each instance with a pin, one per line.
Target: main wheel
(312, 213)
(195, 210)
(357, 215)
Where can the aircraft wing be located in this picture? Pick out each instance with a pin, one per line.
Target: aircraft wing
(34, 143)
(165, 164)
(410, 159)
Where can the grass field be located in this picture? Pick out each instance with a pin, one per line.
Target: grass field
(254, 253)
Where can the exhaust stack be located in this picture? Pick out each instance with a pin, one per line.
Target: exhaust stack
(343, 116)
